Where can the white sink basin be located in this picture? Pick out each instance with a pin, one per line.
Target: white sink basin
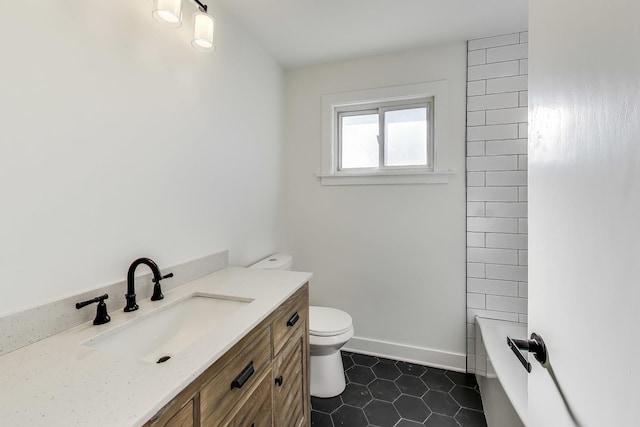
(170, 330)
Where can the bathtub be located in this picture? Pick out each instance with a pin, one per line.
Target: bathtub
(504, 387)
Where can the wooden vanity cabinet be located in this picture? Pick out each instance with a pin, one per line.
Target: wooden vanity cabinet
(262, 381)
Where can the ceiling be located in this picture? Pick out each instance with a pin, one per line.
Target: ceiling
(306, 32)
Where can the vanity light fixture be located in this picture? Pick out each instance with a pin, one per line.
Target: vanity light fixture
(169, 12)
(203, 29)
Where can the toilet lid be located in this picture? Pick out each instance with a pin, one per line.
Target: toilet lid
(327, 321)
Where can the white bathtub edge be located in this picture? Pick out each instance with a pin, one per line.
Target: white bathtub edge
(510, 373)
(498, 410)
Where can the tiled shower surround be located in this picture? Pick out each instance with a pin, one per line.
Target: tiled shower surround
(496, 184)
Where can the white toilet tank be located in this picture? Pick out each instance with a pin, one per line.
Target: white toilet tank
(275, 262)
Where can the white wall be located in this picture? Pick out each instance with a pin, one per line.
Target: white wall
(393, 256)
(496, 184)
(119, 140)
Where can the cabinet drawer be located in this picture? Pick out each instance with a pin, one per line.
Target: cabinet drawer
(235, 380)
(256, 411)
(289, 317)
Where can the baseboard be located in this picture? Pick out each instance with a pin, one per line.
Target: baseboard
(418, 355)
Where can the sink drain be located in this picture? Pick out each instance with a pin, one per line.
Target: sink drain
(163, 359)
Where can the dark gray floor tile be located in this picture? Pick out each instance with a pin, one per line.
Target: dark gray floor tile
(467, 397)
(471, 418)
(408, 423)
(460, 378)
(382, 414)
(387, 371)
(411, 369)
(320, 419)
(441, 402)
(411, 385)
(384, 390)
(364, 360)
(325, 405)
(437, 420)
(348, 416)
(360, 375)
(356, 395)
(412, 408)
(437, 380)
(347, 361)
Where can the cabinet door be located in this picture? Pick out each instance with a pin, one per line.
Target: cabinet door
(184, 417)
(291, 397)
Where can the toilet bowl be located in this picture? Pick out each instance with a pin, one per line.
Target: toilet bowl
(329, 331)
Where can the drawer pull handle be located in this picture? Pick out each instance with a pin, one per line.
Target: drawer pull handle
(279, 381)
(293, 320)
(243, 377)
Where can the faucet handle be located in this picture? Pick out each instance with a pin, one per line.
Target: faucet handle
(102, 316)
(157, 291)
(166, 276)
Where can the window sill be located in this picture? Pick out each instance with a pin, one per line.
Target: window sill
(386, 178)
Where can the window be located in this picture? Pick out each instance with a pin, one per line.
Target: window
(385, 136)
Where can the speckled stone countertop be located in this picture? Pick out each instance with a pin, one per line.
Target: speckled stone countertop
(58, 381)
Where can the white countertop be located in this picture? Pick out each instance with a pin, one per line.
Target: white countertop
(58, 381)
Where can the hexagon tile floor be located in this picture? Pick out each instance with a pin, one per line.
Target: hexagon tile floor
(388, 393)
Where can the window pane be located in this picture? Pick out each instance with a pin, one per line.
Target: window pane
(360, 141)
(406, 137)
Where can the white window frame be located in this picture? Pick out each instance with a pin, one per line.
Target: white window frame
(380, 108)
(439, 127)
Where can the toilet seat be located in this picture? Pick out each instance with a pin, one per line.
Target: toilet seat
(328, 322)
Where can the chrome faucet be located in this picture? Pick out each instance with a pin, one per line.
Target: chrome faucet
(157, 277)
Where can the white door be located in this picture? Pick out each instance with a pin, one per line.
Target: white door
(584, 210)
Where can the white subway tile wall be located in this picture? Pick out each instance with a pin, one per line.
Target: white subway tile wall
(497, 129)
(476, 269)
(505, 146)
(496, 225)
(477, 88)
(475, 179)
(504, 84)
(496, 41)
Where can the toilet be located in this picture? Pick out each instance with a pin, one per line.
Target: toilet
(329, 331)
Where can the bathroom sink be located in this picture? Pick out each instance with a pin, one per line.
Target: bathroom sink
(164, 333)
